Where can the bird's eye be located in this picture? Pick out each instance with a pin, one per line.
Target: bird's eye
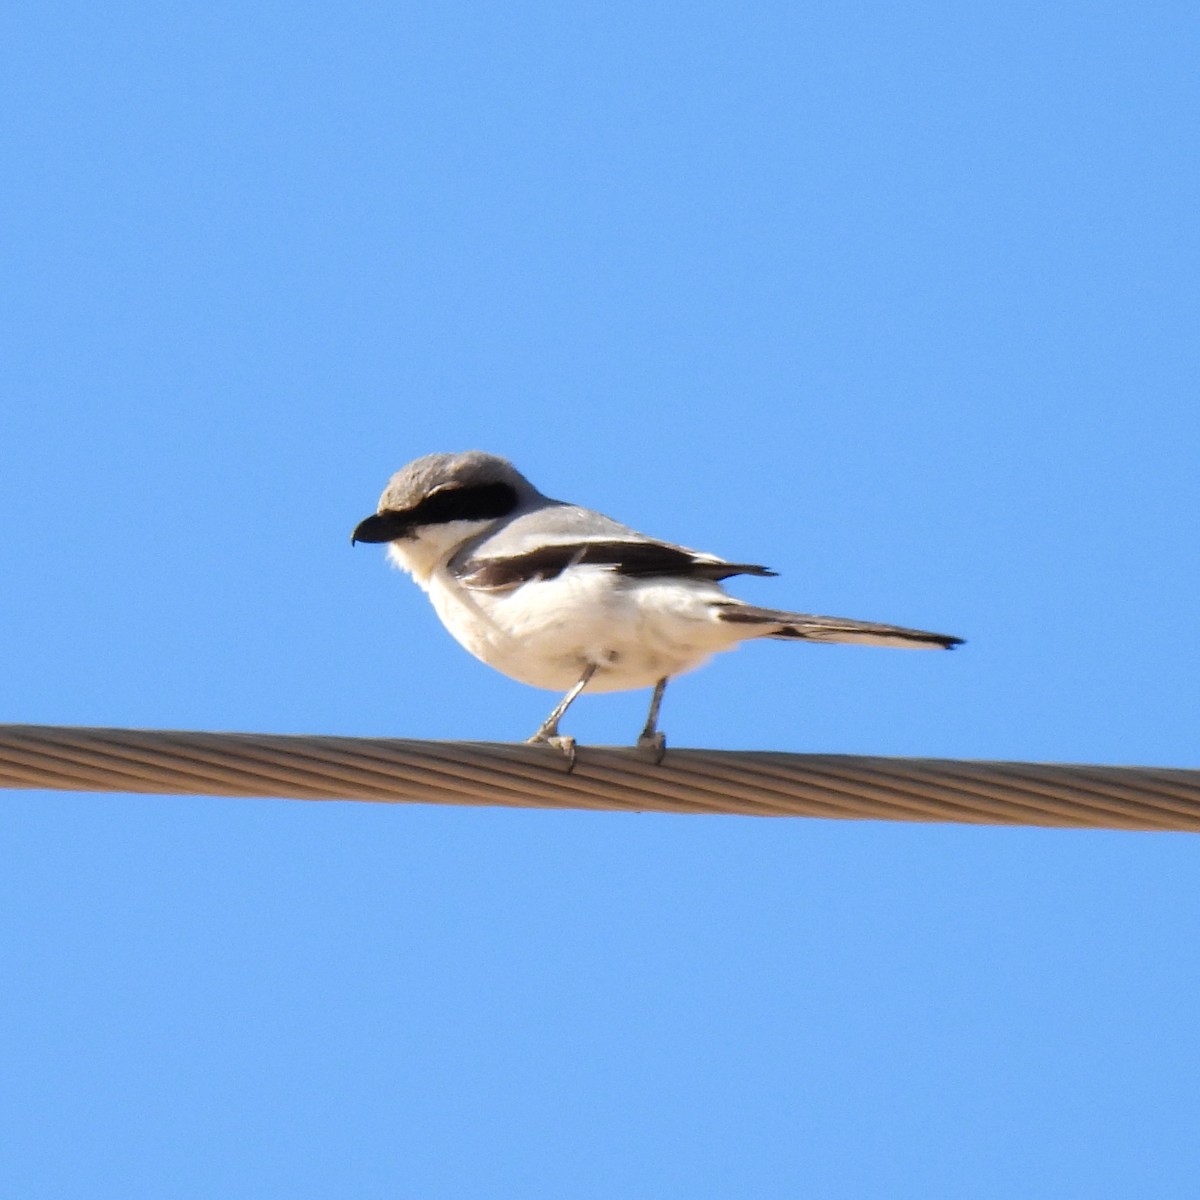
(459, 502)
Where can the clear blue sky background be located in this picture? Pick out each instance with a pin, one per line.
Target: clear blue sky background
(898, 299)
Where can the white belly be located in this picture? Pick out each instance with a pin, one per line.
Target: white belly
(545, 633)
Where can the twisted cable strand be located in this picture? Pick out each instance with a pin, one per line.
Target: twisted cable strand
(752, 783)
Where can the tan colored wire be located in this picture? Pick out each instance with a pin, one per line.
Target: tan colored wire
(750, 783)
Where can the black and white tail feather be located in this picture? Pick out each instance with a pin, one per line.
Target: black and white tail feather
(807, 627)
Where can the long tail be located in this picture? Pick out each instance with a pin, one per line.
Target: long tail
(775, 623)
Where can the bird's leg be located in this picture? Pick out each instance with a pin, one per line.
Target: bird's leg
(650, 738)
(548, 730)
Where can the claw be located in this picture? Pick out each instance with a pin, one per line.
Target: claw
(656, 743)
(559, 742)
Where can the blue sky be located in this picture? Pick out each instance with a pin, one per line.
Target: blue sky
(899, 300)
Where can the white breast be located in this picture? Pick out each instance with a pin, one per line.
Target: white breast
(545, 633)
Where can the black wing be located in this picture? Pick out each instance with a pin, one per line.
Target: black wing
(634, 559)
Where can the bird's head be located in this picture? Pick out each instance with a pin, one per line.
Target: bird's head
(440, 501)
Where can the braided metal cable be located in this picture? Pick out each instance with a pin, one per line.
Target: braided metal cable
(749, 783)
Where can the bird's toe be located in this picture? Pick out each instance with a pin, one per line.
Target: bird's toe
(560, 742)
(655, 743)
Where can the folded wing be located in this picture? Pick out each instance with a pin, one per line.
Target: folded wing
(635, 559)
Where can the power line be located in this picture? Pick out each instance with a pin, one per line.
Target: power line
(749, 783)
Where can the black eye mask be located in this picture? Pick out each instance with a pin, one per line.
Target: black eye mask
(481, 502)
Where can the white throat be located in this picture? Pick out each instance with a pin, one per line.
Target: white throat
(420, 556)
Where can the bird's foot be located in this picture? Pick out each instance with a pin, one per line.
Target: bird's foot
(656, 743)
(559, 742)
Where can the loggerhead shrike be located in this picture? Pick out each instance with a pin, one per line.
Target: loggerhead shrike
(563, 598)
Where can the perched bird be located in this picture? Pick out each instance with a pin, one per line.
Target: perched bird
(560, 597)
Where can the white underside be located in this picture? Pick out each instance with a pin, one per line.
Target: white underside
(547, 632)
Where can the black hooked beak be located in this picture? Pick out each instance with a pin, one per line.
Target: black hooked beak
(382, 527)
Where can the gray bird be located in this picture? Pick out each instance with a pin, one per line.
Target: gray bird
(560, 597)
